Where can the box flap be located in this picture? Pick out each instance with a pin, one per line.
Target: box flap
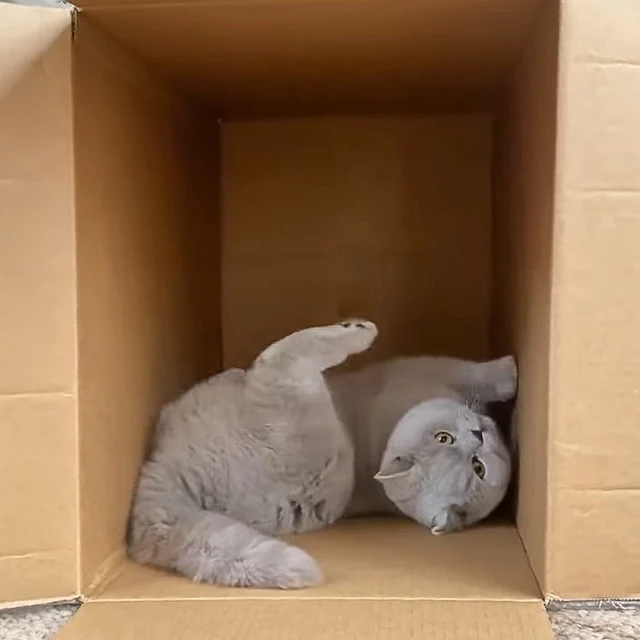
(595, 477)
(374, 559)
(26, 36)
(311, 619)
(38, 532)
(274, 56)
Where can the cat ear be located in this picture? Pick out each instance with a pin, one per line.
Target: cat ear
(394, 468)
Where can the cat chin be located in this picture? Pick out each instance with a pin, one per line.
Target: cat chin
(438, 520)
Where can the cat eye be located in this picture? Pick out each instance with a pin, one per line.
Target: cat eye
(478, 468)
(444, 437)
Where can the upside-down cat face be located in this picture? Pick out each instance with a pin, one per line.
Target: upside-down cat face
(445, 466)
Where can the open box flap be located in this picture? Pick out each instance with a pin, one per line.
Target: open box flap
(38, 530)
(311, 619)
(385, 579)
(273, 57)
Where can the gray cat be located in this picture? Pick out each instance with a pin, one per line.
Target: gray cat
(248, 455)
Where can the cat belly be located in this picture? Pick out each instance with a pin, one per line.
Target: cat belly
(296, 515)
(303, 502)
(275, 512)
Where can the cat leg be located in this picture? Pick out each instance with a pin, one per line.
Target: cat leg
(170, 531)
(493, 380)
(481, 382)
(311, 351)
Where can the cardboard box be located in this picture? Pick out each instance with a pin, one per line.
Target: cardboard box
(182, 182)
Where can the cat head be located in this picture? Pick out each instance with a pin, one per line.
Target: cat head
(445, 466)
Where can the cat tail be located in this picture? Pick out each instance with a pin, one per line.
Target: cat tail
(168, 529)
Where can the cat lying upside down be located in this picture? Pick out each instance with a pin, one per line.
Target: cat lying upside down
(280, 448)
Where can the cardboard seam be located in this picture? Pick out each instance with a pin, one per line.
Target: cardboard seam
(597, 191)
(33, 555)
(530, 565)
(75, 11)
(596, 61)
(20, 605)
(598, 489)
(556, 241)
(26, 395)
(311, 599)
(173, 4)
(135, 74)
(76, 330)
(107, 572)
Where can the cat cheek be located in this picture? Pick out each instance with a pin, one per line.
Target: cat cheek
(495, 482)
(498, 472)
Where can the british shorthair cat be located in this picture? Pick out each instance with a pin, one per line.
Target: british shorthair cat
(280, 448)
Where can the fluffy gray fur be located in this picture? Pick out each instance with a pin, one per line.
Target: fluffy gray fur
(245, 456)
(422, 443)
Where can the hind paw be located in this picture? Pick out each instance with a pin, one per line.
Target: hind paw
(298, 570)
(282, 566)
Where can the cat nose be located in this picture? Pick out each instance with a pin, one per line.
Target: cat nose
(478, 434)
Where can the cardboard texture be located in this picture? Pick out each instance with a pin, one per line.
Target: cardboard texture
(596, 271)
(369, 206)
(465, 173)
(38, 426)
(524, 201)
(487, 564)
(278, 57)
(320, 619)
(137, 264)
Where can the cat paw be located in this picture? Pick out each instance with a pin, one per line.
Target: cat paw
(320, 347)
(506, 377)
(274, 564)
(266, 564)
(298, 570)
(354, 335)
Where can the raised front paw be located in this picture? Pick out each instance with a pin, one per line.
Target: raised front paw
(319, 347)
(506, 377)
(354, 335)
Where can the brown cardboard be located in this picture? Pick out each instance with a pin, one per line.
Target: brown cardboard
(275, 57)
(320, 619)
(374, 558)
(136, 310)
(38, 426)
(466, 173)
(596, 272)
(524, 201)
(351, 216)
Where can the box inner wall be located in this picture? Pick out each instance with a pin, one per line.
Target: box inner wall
(283, 222)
